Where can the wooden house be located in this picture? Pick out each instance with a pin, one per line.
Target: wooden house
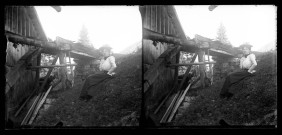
(163, 39)
(26, 40)
(22, 21)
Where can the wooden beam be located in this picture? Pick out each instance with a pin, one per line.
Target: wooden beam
(161, 104)
(30, 110)
(179, 102)
(54, 85)
(63, 70)
(15, 38)
(177, 97)
(19, 110)
(48, 74)
(40, 91)
(184, 78)
(151, 75)
(168, 110)
(187, 45)
(212, 7)
(175, 103)
(210, 67)
(199, 38)
(176, 70)
(155, 36)
(51, 46)
(39, 105)
(51, 66)
(57, 8)
(83, 54)
(17, 71)
(38, 63)
(187, 72)
(71, 68)
(187, 64)
(220, 52)
(201, 58)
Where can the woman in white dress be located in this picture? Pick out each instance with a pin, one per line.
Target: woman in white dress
(106, 67)
(247, 65)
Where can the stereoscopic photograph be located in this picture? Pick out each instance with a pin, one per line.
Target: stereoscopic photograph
(73, 66)
(210, 65)
(140, 66)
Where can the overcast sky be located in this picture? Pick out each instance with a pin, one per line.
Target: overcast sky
(118, 26)
(243, 23)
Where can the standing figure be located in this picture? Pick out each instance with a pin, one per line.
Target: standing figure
(247, 65)
(106, 67)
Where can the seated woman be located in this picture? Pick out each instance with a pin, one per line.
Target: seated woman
(247, 65)
(107, 67)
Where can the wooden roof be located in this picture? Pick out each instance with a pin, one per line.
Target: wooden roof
(23, 20)
(178, 36)
(22, 25)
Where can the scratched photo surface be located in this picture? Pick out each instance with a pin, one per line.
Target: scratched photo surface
(209, 65)
(73, 66)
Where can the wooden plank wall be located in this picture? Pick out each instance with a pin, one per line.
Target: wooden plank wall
(17, 21)
(156, 19)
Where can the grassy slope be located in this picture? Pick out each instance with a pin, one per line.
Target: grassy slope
(250, 102)
(120, 97)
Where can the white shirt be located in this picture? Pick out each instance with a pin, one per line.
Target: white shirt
(108, 63)
(248, 62)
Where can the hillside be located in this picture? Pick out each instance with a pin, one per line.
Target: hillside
(254, 101)
(116, 103)
(132, 48)
(268, 47)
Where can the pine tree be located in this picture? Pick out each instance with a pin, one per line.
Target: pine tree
(221, 35)
(83, 37)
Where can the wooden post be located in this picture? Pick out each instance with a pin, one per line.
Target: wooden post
(186, 73)
(201, 55)
(72, 80)
(48, 74)
(38, 63)
(210, 66)
(176, 70)
(62, 70)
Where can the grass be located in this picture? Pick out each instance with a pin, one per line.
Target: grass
(253, 99)
(112, 101)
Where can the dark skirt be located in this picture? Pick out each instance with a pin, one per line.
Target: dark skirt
(93, 80)
(233, 78)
